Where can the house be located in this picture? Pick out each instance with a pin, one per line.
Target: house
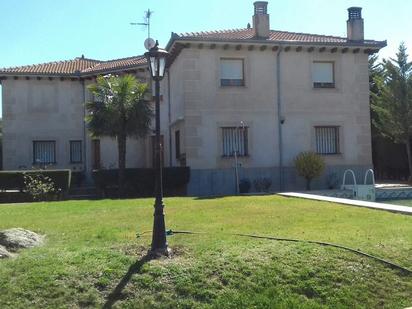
(236, 104)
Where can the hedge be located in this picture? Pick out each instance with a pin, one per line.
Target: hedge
(141, 181)
(14, 180)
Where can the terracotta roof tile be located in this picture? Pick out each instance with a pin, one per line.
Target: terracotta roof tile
(76, 67)
(275, 36)
(68, 67)
(122, 63)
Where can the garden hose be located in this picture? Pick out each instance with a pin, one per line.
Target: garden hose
(327, 244)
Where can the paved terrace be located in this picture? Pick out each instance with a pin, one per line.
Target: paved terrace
(379, 206)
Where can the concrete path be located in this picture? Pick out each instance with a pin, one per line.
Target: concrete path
(380, 206)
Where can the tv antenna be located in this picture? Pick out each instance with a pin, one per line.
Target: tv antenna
(146, 23)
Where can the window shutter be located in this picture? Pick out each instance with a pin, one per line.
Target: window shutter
(231, 69)
(323, 72)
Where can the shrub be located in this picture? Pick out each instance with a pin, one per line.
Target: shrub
(14, 180)
(262, 184)
(244, 185)
(140, 182)
(309, 165)
(40, 187)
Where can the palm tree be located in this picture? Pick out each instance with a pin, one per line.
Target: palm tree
(119, 109)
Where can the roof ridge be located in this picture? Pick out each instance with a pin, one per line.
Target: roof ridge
(313, 34)
(125, 58)
(192, 33)
(48, 63)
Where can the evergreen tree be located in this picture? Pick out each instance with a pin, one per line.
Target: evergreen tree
(392, 101)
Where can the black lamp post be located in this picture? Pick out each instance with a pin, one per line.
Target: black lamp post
(156, 58)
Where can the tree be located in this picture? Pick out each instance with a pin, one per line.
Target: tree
(309, 165)
(393, 105)
(119, 109)
(376, 78)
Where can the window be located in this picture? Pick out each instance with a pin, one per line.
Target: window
(177, 143)
(327, 140)
(75, 151)
(231, 72)
(323, 75)
(96, 154)
(235, 139)
(44, 152)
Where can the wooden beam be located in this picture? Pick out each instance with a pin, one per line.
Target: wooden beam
(263, 47)
(200, 46)
(299, 48)
(226, 46)
(311, 49)
(344, 50)
(238, 47)
(212, 46)
(287, 48)
(251, 47)
(334, 50)
(275, 48)
(322, 49)
(356, 50)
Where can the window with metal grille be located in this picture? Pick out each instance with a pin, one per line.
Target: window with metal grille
(327, 140)
(235, 140)
(231, 72)
(96, 163)
(75, 151)
(44, 152)
(323, 75)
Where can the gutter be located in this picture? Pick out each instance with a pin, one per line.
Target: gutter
(279, 118)
(84, 129)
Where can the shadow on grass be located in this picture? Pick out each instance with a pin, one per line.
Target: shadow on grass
(117, 294)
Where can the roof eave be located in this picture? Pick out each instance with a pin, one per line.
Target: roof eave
(174, 39)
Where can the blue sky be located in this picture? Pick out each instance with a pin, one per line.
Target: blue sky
(36, 31)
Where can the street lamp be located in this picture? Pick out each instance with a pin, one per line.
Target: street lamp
(156, 58)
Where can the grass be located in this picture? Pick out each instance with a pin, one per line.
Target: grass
(92, 257)
(398, 202)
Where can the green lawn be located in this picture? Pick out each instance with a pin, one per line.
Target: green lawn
(92, 257)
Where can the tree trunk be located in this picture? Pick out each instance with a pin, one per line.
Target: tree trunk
(121, 145)
(408, 152)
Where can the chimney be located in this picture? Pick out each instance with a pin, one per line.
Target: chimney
(355, 24)
(261, 25)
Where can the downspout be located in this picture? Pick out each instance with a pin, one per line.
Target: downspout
(84, 130)
(169, 115)
(279, 118)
